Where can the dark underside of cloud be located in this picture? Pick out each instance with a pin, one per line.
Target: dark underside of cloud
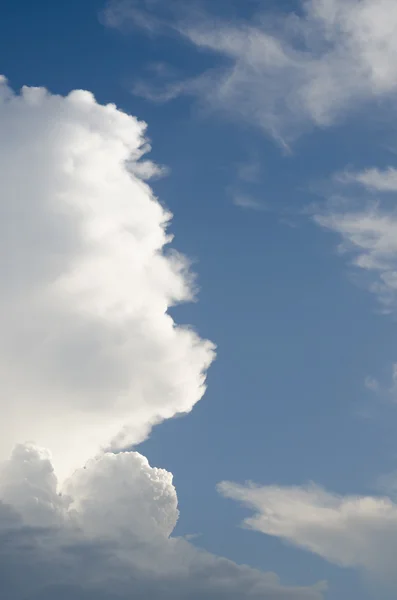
(39, 564)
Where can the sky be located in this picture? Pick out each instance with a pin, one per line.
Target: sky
(198, 299)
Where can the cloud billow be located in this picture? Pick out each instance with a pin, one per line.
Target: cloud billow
(106, 533)
(90, 361)
(89, 356)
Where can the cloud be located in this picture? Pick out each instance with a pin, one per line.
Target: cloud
(89, 357)
(121, 14)
(349, 531)
(372, 384)
(373, 179)
(247, 201)
(90, 360)
(369, 235)
(107, 536)
(388, 390)
(249, 172)
(367, 227)
(283, 72)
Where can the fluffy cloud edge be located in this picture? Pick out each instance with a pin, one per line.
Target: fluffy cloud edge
(107, 534)
(87, 342)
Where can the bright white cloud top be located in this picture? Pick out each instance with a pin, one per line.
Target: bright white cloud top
(89, 356)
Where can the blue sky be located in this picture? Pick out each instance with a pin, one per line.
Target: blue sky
(297, 329)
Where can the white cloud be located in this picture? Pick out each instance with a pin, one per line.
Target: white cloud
(107, 537)
(247, 201)
(89, 358)
(284, 72)
(373, 179)
(367, 228)
(119, 13)
(370, 236)
(372, 384)
(350, 531)
(388, 390)
(88, 354)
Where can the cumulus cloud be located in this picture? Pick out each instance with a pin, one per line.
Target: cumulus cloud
(89, 356)
(107, 536)
(90, 360)
(350, 531)
(284, 71)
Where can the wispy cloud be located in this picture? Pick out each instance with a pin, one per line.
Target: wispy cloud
(367, 229)
(350, 531)
(250, 172)
(247, 201)
(285, 72)
(372, 178)
(388, 389)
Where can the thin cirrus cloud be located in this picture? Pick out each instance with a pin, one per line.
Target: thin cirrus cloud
(289, 71)
(381, 180)
(248, 202)
(283, 72)
(90, 360)
(367, 228)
